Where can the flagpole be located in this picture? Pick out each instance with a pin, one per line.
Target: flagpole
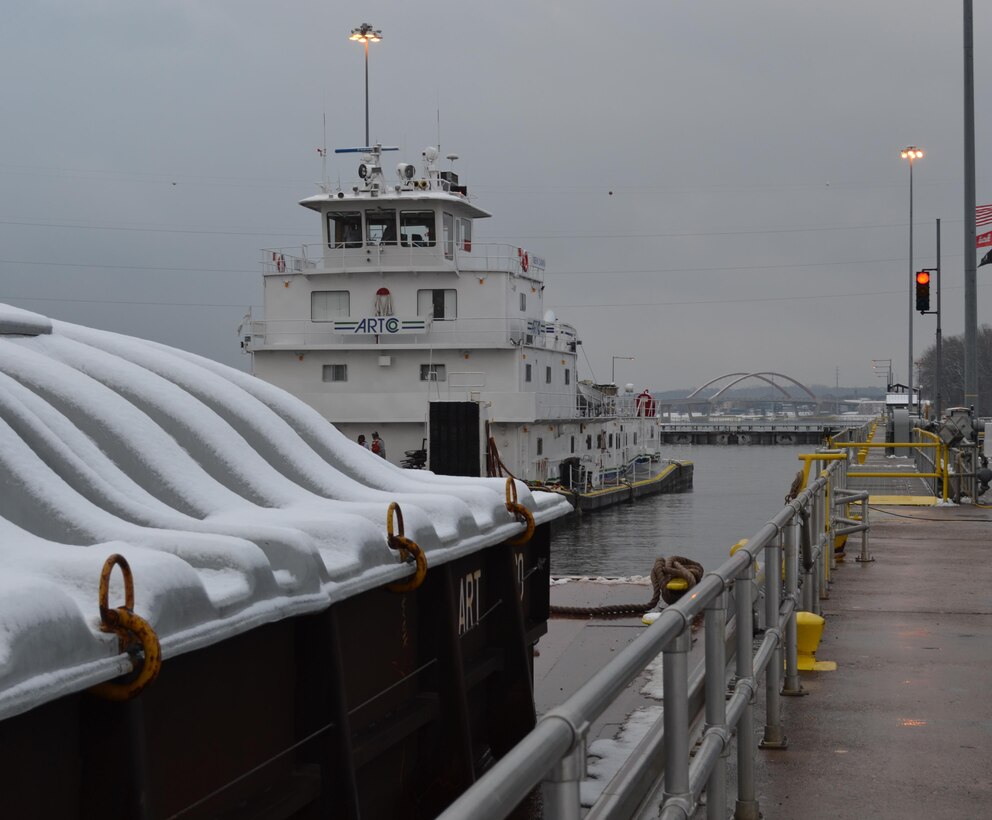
(970, 272)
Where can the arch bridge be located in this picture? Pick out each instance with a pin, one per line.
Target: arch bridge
(698, 401)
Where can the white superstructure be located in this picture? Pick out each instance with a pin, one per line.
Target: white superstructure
(398, 309)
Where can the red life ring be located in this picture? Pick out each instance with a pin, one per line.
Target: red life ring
(644, 405)
(524, 260)
(280, 263)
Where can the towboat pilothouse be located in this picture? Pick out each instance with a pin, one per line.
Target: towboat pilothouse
(400, 324)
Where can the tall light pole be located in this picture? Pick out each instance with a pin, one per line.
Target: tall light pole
(613, 372)
(912, 153)
(876, 364)
(366, 34)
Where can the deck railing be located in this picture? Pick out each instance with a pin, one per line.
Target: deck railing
(800, 540)
(477, 258)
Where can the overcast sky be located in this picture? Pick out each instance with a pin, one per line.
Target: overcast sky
(715, 186)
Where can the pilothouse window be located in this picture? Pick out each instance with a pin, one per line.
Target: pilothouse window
(448, 225)
(417, 229)
(344, 229)
(381, 227)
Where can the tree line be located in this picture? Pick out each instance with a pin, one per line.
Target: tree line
(952, 392)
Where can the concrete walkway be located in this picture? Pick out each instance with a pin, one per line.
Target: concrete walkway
(903, 728)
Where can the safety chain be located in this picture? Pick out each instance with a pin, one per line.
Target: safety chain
(523, 515)
(134, 634)
(407, 549)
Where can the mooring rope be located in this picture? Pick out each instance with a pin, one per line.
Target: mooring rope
(664, 570)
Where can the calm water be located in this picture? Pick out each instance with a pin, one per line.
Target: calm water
(735, 491)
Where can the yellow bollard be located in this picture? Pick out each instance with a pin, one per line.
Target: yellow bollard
(809, 630)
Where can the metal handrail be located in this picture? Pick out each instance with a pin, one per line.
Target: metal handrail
(554, 751)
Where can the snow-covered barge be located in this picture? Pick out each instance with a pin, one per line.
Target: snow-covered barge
(307, 668)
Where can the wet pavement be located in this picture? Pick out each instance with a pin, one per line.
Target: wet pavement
(903, 727)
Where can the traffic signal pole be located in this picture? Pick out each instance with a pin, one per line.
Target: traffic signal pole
(940, 361)
(923, 282)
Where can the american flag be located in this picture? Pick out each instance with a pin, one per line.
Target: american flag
(983, 216)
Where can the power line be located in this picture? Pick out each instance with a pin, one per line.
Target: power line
(160, 229)
(585, 235)
(611, 272)
(677, 234)
(120, 267)
(814, 297)
(240, 306)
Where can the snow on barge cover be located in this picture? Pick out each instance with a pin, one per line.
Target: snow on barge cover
(303, 669)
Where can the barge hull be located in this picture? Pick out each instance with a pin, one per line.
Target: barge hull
(383, 705)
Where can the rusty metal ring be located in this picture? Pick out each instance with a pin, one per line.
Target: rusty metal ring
(511, 494)
(129, 627)
(521, 512)
(407, 548)
(106, 613)
(394, 508)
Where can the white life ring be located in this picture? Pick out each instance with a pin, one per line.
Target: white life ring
(524, 260)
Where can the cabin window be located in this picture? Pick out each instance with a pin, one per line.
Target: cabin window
(540, 446)
(432, 373)
(465, 235)
(527, 373)
(589, 442)
(441, 304)
(572, 450)
(328, 305)
(523, 302)
(335, 373)
(635, 439)
(568, 376)
(610, 445)
(448, 226)
(547, 375)
(344, 229)
(417, 229)
(380, 227)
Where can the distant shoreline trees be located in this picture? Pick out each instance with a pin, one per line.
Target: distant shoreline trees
(952, 394)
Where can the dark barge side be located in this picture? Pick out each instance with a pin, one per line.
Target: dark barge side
(383, 705)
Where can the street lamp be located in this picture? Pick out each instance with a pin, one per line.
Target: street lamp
(366, 34)
(912, 153)
(613, 373)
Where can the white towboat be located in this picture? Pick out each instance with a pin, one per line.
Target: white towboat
(400, 324)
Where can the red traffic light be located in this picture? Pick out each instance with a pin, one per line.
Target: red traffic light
(923, 291)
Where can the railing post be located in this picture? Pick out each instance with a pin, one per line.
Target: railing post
(716, 703)
(747, 806)
(675, 675)
(865, 557)
(774, 737)
(792, 685)
(819, 541)
(810, 575)
(560, 787)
